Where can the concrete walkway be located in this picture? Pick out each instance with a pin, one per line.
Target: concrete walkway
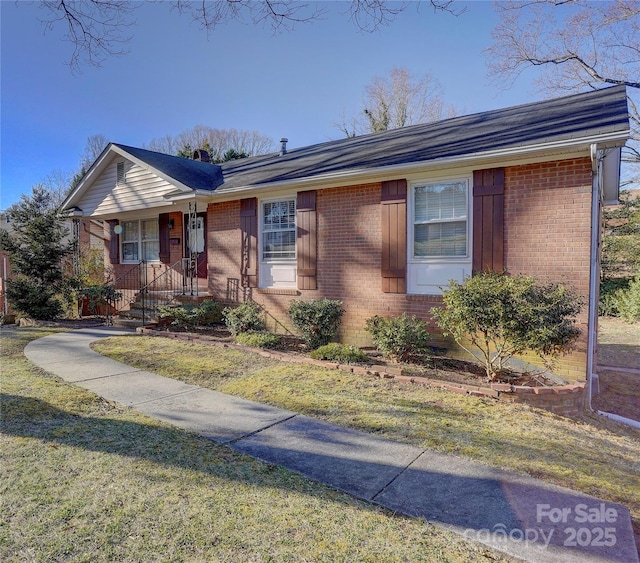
(523, 517)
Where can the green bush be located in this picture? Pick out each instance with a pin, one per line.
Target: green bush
(188, 316)
(502, 316)
(99, 295)
(318, 320)
(243, 318)
(259, 339)
(399, 338)
(209, 313)
(607, 306)
(627, 301)
(342, 353)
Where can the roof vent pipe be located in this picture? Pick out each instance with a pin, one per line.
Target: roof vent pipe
(283, 146)
(201, 155)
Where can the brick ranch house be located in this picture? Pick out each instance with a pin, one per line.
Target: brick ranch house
(380, 221)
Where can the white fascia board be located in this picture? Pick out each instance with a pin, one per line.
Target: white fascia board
(87, 179)
(532, 152)
(200, 195)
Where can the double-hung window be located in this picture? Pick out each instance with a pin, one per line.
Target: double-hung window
(279, 229)
(440, 220)
(140, 240)
(439, 235)
(278, 243)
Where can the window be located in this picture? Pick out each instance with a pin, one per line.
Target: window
(279, 230)
(440, 220)
(120, 175)
(140, 240)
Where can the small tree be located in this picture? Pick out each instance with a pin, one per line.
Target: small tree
(36, 247)
(502, 316)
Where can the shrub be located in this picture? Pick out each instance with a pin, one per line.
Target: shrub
(99, 295)
(627, 301)
(207, 313)
(342, 353)
(399, 338)
(243, 318)
(607, 306)
(502, 316)
(317, 320)
(261, 339)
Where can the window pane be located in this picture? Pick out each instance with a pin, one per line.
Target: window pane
(151, 250)
(441, 202)
(279, 244)
(279, 215)
(441, 239)
(150, 230)
(130, 231)
(130, 251)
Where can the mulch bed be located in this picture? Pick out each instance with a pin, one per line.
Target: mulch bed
(436, 366)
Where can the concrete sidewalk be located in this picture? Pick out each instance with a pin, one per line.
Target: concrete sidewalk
(523, 517)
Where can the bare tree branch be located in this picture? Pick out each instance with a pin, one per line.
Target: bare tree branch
(575, 45)
(97, 29)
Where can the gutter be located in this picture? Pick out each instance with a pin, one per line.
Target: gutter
(603, 140)
(597, 156)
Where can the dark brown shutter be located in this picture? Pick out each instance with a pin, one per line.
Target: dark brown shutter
(488, 220)
(249, 228)
(113, 242)
(306, 245)
(163, 227)
(394, 236)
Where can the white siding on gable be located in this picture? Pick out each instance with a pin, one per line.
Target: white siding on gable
(141, 190)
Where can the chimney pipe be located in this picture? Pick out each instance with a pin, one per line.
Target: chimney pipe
(283, 146)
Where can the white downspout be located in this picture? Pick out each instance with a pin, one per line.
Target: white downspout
(594, 282)
(594, 277)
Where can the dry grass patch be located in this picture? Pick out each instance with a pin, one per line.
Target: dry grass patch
(591, 455)
(83, 479)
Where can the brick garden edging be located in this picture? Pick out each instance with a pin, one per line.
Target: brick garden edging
(563, 400)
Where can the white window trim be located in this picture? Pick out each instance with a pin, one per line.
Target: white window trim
(139, 241)
(276, 272)
(421, 268)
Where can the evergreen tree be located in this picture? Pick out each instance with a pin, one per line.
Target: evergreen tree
(36, 247)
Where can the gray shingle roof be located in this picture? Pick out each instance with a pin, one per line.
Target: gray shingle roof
(580, 116)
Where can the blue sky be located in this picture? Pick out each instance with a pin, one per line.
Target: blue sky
(293, 84)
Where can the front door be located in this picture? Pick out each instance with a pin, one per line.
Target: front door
(196, 241)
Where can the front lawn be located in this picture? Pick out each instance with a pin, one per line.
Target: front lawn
(82, 479)
(592, 455)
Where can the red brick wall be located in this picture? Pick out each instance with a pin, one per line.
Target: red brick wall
(547, 234)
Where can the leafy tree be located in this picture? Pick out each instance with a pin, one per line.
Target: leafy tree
(396, 100)
(501, 316)
(99, 29)
(621, 240)
(36, 247)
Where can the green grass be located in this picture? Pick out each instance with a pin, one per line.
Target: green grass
(591, 455)
(83, 479)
